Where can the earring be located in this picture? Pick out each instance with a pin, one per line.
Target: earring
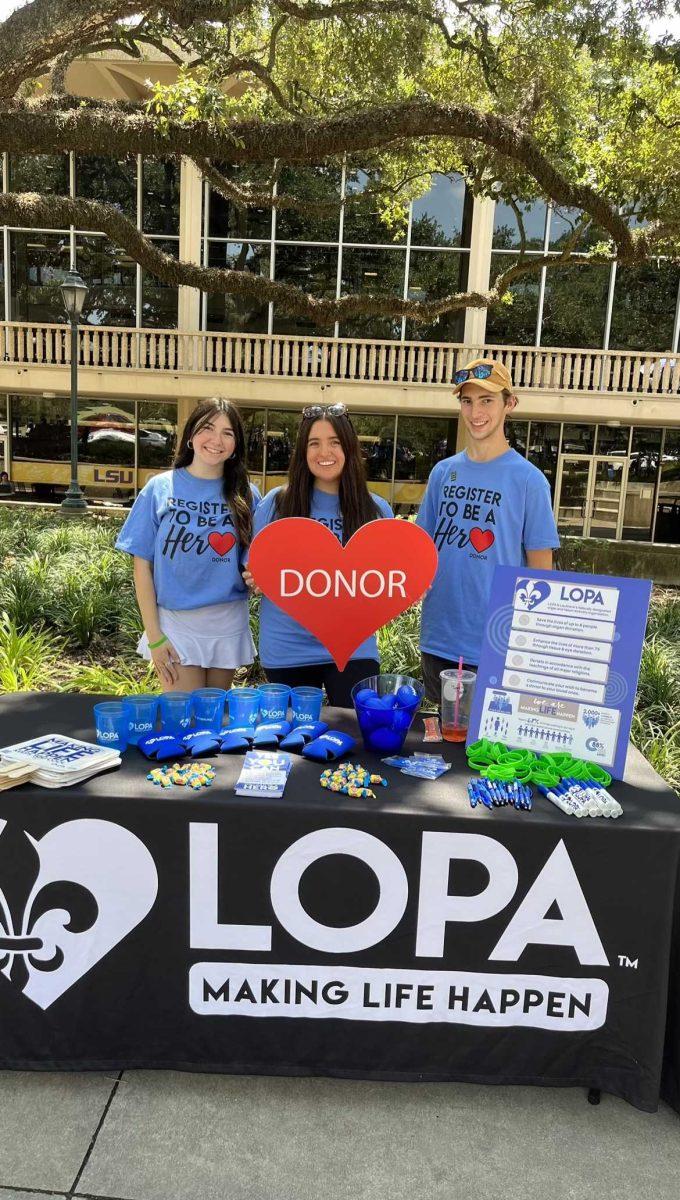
(190, 445)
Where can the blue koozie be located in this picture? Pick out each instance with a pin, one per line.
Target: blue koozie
(302, 734)
(201, 741)
(161, 746)
(329, 746)
(269, 733)
(239, 737)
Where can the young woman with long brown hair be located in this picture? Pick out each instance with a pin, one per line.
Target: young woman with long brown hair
(188, 531)
(326, 482)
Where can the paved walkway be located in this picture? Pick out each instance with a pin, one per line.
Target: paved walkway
(167, 1136)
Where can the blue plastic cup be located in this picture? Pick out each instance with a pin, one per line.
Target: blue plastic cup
(244, 705)
(111, 724)
(274, 699)
(142, 712)
(306, 703)
(208, 706)
(385, 706)
(175, 712)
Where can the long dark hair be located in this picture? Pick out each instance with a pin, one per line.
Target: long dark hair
(356, 503)
(235, 482)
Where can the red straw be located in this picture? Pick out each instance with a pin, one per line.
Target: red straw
(458, 690)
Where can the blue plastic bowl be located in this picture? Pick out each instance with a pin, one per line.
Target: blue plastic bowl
(385, 706)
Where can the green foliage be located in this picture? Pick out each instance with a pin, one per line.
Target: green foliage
(125, 679)
(28, 658)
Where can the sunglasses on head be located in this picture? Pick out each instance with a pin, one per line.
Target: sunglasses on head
(316, 411)
(482, 371)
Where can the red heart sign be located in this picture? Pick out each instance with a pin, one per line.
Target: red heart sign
(481, 539)
(342, 594)
(221, 542)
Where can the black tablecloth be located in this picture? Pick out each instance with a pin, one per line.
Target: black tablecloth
(409, 937)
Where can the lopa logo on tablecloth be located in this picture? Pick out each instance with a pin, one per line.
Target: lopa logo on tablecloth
(66, 901)
(348, 991)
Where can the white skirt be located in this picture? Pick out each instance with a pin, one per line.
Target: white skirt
(215, 636)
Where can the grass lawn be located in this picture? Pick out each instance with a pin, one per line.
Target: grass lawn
(69, 622)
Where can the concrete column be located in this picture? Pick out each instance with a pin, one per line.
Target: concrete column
(480, 267)
(190, 205)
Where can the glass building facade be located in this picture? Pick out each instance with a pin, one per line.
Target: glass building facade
(610, 480)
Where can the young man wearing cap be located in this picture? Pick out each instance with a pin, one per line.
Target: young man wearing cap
(483, 507)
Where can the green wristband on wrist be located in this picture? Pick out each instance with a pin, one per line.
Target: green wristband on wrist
(155, 645)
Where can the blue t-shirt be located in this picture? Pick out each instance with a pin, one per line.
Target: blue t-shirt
(480, 515)
(283, 641)
(184, 526)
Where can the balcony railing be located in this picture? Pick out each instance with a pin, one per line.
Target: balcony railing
(282, 356)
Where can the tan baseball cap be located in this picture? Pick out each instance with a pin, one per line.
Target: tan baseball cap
(486, 373)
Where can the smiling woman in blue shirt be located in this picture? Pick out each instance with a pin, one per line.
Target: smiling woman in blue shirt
(326, 482)
(188, 531)
(485, 507)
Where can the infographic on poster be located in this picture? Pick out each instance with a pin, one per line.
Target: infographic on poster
(560, 663)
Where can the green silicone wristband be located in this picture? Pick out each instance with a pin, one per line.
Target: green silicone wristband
(155, 645)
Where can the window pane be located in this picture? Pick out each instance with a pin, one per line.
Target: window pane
(376, 438)
(254, 423)
(575, 305)
(421, 442)
(562, 222)
(517, 435)
(3, 315)
(362, 219)
(39, 264)
(4, 455)
(432, 276)
(613, 439)
(513, 324)
(41, 428)
(46, 173)
(281, 434)
(111, 180)
(159, 300)
(106, 431)
(226, 219)
(668, 508)
(578, 439)
(438, 215)
(160, 202)
(642, 472)
(506, 234)
(312, 185)
(238, 313)
(110, 275)
(312, 269)
(645, 299)
(544, 441)
(156, 434)
(377, 271)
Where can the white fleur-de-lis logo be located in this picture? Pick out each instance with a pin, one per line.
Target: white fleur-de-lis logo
(66, 901)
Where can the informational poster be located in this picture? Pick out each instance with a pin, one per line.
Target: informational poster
(560, 662)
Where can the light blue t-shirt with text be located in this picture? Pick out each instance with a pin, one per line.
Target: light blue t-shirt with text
(480, 515)
(185, 527)
(283, 641)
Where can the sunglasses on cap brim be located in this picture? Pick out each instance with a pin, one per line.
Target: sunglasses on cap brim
(316, 411)
(482, 371)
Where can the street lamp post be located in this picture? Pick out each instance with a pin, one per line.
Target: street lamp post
(73, 292)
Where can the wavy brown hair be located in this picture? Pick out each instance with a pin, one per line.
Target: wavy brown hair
(356, 503)
(235, 482)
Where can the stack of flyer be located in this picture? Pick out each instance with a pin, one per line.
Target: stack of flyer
(59, 761)
(264, 773)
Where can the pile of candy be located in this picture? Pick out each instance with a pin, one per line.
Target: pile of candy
(497, 795)
(194, 775)
(352, 780)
